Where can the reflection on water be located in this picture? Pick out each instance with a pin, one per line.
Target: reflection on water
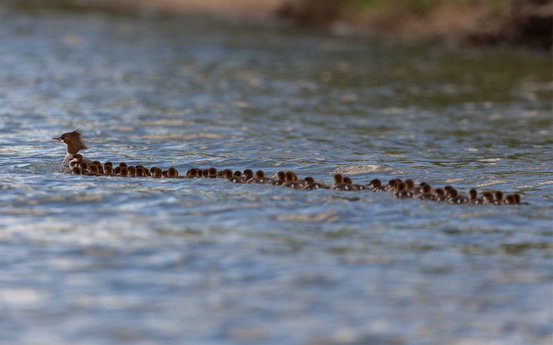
(111, 260)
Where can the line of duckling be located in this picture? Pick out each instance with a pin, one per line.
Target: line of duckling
(400, 189)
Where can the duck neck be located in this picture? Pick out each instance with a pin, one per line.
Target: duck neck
(64, 167)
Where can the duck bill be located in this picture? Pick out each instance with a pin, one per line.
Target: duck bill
(58, 139)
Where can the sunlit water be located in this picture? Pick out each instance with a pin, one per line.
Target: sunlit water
(100, 260)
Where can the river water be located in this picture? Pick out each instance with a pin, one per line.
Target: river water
(106, 260)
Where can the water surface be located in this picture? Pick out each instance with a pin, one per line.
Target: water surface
(99, 260)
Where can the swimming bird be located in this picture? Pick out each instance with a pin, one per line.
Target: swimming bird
(281, 178)
(402, 192)
(248, 176)
(426, 193)
(439, 194)
(473, 197)
(310, 184)
(376, 185)
(237, 177)
(260, 178)
(74, 145)
(498, 198)
(488, 198)
(172, 172)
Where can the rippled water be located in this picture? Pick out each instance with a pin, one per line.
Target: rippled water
(97, 260)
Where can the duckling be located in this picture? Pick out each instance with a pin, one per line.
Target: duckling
(139, 171)
(205, 173)
(261, 179)
(76, 171)
(410, 185)
(281, 178)
(172, 172)
(156, 172)
(84, 168)
(106, 164)
(439, 194)
(456, 198)
(509, 200)
(248, 176)
(131, 171)
(227, 173)
(419, 190)
(212, 172)
(426, 193)
(488, 198)
(498, 198)
(292, 181)
(123, 165)
(473, 197)
(123, 171)
(164, 174)
(402, 192)
(310, 184)
(93, 171)
(349, 182)
(108, 171)
(392, 184)
(516, 196)
(376, 185)
(237, 177)
(339, 184)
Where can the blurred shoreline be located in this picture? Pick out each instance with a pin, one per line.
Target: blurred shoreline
(516, 23)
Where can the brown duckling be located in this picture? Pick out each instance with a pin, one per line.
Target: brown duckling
(281, 178)
(310, 184)
(172, 172)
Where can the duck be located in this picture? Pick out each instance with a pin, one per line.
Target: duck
(261, 179)
(473, 197)
(509, 200)
(498, 198)
(410, 186)
(172, 172)
(488, 198)
(392, 184)
(349, 182)
(453, 196)
(310, 184)
(248, 176)
(402, 192)
(123, 171)
(139, 171)
(237, 177)
(426, 193)
(340, 185)
(156, 172)
(108, 170)
(281, 178)
(292, 181)
(376, 185)
(74, 145)
(94, 171)
(439, 194)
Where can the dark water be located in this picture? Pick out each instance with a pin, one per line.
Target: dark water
(95, 260)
